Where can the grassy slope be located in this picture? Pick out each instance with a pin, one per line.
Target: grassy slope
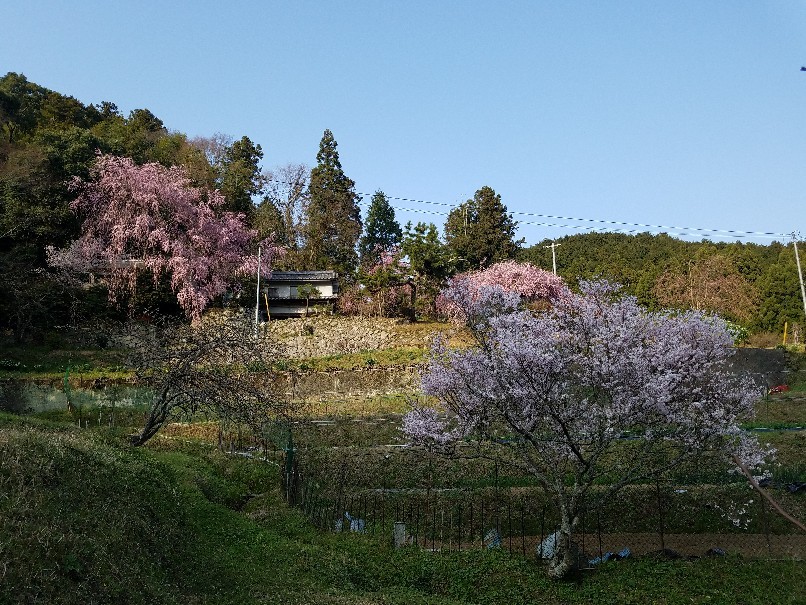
(84, 519)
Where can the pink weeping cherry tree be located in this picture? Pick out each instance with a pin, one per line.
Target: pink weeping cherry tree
(561, 388)
(530, 282)
(152, 218)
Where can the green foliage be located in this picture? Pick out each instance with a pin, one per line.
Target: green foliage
(751, 284)
(430, 261)
(308, 291)
(241, 179)
(480, 232)
(61, 535)
(90, 521)
(381, 231)
(333, 218)
(47, 140)
(739, 333)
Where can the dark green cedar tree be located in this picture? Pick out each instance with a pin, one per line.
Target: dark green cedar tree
(381, 230)
(333, 215)
(242, 179)
(481, 232)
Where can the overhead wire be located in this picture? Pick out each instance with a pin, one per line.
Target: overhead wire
(606, 225)
(637, 227)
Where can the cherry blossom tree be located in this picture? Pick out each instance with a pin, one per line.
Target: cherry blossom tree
(218, 366)
(561, 388)
(530, 282)
(151, 218)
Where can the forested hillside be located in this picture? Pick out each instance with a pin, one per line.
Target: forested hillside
(48, 140)
(751, 284)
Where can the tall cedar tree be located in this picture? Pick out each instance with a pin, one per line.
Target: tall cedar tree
(481, 232)
(334, 218)
(241, 178)
(382, 232)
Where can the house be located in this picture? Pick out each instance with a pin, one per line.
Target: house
(284, 295)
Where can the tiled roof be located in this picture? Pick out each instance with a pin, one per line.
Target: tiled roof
(302, 276)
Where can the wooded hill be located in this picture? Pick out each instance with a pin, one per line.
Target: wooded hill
(753, 285)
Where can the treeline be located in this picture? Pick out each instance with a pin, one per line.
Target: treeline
(47, 140)
(753, 285)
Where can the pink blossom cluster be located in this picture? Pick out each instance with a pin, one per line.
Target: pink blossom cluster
(152, 217)
(524, 279)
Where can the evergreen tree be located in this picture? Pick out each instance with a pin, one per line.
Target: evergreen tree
(333, 216)
(481, 232)
(429, 261)
(241, 178)
(382, 232)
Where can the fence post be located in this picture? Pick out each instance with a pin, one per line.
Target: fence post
(470, 524)
(399, 534)
(509, 522)
(599, 529)
(584, 515)
(459, 541)
(660, 515)
(433, 523)
(523, 530)
(481, 524)
(364, 506)
(417, 525)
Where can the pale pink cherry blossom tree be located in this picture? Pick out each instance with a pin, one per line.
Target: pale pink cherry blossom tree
(151, 218)
(530, 282)
(561, 388)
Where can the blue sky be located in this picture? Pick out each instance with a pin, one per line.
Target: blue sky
(674, 114)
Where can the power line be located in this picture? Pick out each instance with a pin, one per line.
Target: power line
(697, 230)
(622, 226)
(682, 231)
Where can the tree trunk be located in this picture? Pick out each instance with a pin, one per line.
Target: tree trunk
(565, 552)
(156, 418)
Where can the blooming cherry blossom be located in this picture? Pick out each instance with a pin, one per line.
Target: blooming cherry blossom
(530, 282)
(151, 218)
(563, 388)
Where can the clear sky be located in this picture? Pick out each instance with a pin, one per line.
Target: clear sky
(675, 114)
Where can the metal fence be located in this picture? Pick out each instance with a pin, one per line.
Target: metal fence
(662, 518)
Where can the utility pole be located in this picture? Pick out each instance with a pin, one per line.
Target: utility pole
(553, 256)
(800, 273)
(257, 294)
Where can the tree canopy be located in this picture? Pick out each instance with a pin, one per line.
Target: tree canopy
(529, 282)
(481, 232)
(560, 388)
(381, 231)
(48, 138)
(151, 218)
(333, 215)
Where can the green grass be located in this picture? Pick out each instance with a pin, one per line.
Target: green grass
(43, 362)
(356, 361)
(86, 519)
